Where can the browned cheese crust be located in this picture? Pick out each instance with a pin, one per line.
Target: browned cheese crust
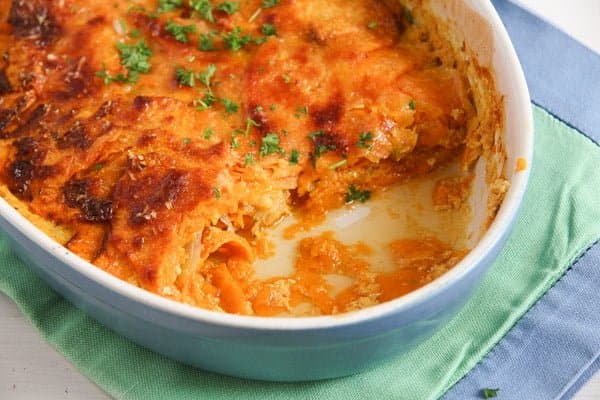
(163, 167)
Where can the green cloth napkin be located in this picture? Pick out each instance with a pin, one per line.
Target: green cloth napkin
(558, 221)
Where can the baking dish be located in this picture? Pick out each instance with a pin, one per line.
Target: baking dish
(307, 348)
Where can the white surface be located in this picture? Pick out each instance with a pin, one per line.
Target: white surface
(31, 369)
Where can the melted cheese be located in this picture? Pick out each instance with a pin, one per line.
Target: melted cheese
(176, 199)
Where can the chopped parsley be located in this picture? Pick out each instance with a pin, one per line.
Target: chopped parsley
(205, 102)
(412, 104)
(408, 16)
(124, 26)
(169, 5)
(314, 135)
(234, 142)
(135, 57)
(98, 166)
(301, 111)
(269, 3)
(249, 124)
(234, 40)
(131, 77)
(372, 25)
(272, 107)
(209, 98)
(268, 30)
(205, 77)
(365, 139)
(230, 106)
(354, 194)
(205, 41)
(322, 145)
(180, 32)
(270, 145)
(294, 156)
(248, 159)
(208, 132)
(217, 193)
(187, 141)
(338, 164)
(286, 78)
(185, 77)
(203, 8)
(489, 393)
(230, 7)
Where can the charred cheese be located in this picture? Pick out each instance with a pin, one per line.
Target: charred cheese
(159, 139)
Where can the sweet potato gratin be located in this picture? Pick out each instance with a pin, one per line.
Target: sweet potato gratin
(160, 140)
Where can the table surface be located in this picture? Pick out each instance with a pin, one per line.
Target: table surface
(32, 369)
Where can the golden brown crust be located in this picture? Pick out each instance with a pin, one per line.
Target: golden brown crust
(164, 182)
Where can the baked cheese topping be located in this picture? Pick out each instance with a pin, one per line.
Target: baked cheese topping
(162, 138)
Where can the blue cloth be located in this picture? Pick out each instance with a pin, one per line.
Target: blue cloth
(555, 348)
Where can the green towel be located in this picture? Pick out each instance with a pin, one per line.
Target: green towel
(558, 221)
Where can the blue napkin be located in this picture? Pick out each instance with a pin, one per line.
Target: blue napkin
(555, 348)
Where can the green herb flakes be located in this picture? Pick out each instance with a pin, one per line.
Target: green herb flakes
(180, 32)
(354, 194)
(270, 145)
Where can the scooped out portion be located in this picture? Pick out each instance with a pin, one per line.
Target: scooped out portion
(264, 157)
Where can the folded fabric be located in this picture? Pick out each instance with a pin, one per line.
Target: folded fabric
(557, 345)
(558, 221)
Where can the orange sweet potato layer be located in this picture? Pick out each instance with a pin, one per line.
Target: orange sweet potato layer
(166, 136)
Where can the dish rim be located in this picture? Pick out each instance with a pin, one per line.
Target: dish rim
(486, 244)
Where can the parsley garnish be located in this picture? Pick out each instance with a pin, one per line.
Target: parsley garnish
(205, 41)
(234, 143)
(372, 25)
(131, 77)
(412, 104)
(209, 98)
(269, 3)
(135, 57)
(489, 393)
(217, 193)
(365, 139)
(186, 141)
(409, 16)
(206, 102)
(208, 132)
(301, 111)
(98, 166)
(249, 124)
(294, 156)
(204, 8)
(234, 39)
(270, 145)
(354, 194)
(205, 77)
(272, 107)
(230, 106)
(268, 30)
(179, 32)
(338, 164)
(314, 135)
(185, 77)
(248, 159)
(169, 5)
(230, 7)
(286, 78)
(321, 147)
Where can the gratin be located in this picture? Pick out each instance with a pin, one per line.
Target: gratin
(163, 141)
